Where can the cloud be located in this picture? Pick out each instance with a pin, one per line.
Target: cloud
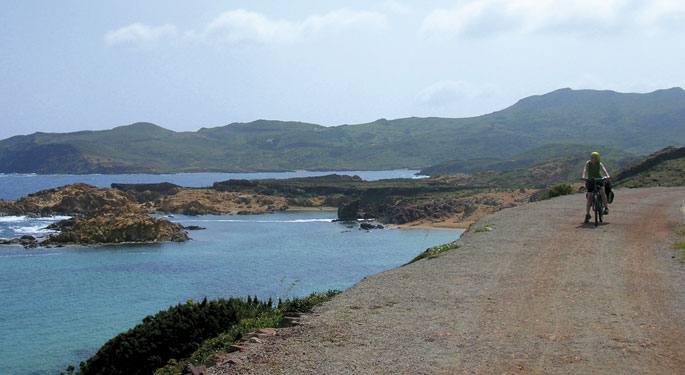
(662, 15)
(238, 26)
(576, 17)
(138, 33)
(488, 17)
(447, 92)
(396, 7)
(243, 26)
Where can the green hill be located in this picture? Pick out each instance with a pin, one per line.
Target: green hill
(571, 156)
(636, 123)
(663, 168)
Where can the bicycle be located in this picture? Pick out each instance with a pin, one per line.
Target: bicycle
(597, 202)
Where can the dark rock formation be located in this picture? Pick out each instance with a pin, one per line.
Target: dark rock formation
(370, 226)
(349, 211)
(148, 192)
(193, 227)
(26, 241)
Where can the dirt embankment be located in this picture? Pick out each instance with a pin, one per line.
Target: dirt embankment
(539, 293)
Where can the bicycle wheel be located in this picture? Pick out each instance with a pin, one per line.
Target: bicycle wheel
(596, 208)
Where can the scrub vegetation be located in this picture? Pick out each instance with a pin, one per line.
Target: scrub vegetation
(190, 333)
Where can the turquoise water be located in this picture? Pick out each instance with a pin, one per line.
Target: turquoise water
(59, 305)
(13, 186)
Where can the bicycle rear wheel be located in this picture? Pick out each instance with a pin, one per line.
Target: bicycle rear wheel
(596, 207)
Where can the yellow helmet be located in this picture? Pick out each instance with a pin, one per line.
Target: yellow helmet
(595, 154)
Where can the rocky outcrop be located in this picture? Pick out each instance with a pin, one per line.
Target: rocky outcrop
(72, 200)
(114, 229)
(349, 211)
(193, 227)
(370, 226)
(26, 241)
(213, 202)
(100, 216)
(148, 192)
(464, 209)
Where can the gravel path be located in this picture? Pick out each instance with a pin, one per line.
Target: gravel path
(540, 293)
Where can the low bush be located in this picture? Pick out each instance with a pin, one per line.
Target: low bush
(192, 332)
(435, 251)
(554, 191)
(559, 190)
(173, 333)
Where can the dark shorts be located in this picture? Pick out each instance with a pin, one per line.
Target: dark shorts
(590, 185)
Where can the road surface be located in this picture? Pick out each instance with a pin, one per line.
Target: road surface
(540, 293)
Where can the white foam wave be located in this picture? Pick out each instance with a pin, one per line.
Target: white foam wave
(30, 255)
(53, 218)
(18, 219)
(264, 221)
(34, 229)
(12, 219)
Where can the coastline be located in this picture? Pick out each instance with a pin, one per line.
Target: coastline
(439, 225)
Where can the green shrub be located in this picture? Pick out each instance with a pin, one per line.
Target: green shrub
(306, 304)
(680, 246)
(559, 190)
(193, 332)
(483, 229)
(434, 251)
(173, 333)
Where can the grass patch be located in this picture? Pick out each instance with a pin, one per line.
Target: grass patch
(680, 247)
(484, 228)
(435, 251)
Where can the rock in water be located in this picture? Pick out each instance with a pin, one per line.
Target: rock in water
(112, 229)
(369, 226)
(193, 227)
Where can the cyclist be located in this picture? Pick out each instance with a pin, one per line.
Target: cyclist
(594, 168)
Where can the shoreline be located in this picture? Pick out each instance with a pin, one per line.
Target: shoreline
(311, 209)
(441, 225)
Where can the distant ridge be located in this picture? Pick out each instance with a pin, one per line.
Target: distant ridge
(633, 123)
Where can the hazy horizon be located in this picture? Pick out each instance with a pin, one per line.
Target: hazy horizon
(93, 66)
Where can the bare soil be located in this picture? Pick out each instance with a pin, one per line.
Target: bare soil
(540, 293)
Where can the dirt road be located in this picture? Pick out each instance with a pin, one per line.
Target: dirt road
(540, 293)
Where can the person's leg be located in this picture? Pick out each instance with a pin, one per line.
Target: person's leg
(604, 200)
(589, 203)
(588, 195)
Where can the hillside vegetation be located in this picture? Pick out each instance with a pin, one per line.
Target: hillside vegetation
(538, 167)
(635, 123)
(663, 168)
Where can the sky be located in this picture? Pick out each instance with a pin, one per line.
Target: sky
(86, 65)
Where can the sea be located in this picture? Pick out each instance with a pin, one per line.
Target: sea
(59, 305)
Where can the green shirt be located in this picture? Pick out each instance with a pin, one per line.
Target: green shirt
(593, 170)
